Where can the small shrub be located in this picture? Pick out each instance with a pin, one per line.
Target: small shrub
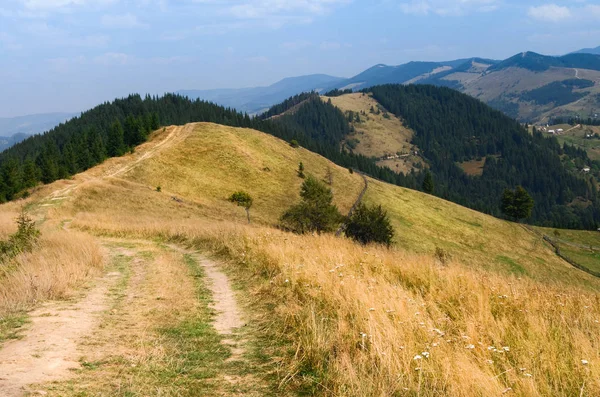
(242, 199)
(300, 171)
(23, 240)
(370, 225)
(442, 255)
(159, 189)
(294, 143)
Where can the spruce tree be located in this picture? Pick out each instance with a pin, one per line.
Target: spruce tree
(370, 225)
(315, 213)
(428, 186)
(116, 140)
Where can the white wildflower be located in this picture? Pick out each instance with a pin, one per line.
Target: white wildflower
(584, 362)
(425, 354)
(470, 347)
(506, 348)
(417, 357)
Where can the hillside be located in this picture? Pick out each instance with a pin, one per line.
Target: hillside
(377, 133)
(451, 132)
(203, 163)
(458, 287)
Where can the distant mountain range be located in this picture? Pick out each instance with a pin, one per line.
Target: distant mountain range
(527, 86)
(589, 51)
(258, 99)
(15, 129)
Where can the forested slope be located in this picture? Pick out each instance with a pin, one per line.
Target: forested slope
(451, 127)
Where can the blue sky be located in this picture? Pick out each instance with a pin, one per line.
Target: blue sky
(69, 55)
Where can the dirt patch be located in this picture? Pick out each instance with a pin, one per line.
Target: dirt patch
(473, 167)
(49, 349)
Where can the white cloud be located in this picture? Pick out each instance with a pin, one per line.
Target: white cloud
(448, 8)
(550, 12)
(51, 36)
(49, 5)
(125, 21)
(260, 9)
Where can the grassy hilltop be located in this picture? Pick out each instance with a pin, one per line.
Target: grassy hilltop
(494, 311)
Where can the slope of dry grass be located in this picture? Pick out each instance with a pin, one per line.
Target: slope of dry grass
(502, 315)
(371, 321)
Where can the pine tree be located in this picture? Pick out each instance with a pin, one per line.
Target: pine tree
(370, 225)
(516, 204)
(116, 140)
(315, 213)
(428, 186)
(523, 203)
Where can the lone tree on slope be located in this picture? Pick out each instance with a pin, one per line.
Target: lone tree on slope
(516, 204)
(370, 225)
(242, 199)
(315, 213)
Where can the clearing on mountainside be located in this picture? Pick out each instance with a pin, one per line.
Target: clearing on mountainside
(378, 133)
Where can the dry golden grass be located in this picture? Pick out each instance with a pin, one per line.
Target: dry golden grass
(357, 317)
(60, 263)
(473, 167)
(214, 161)
(503, 313)
(378, 136)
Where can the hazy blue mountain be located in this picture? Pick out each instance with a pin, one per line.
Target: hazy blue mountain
(6, 142)
(15, 129)
(255, 100)
(595, 51)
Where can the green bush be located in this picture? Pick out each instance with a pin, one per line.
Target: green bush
(370, 225)
(23, 240)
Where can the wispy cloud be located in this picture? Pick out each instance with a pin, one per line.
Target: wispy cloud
(549, 12)
(49, 5)
(261, 9)
(448, 7)
(51, 36)
(124, 21)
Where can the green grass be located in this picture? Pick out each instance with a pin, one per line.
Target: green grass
(514, 267)
(11, 325)
(587, 258)
(424, 223)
